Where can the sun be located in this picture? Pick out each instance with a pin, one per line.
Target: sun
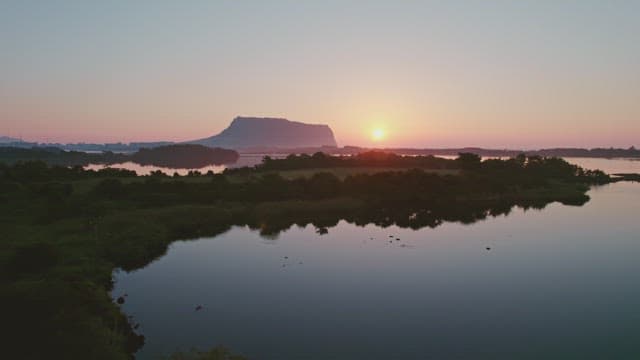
(377, 134)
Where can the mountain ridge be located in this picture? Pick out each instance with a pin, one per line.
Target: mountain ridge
(8, 139)
(248, 132)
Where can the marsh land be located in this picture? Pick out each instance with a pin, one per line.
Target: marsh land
(65, 229)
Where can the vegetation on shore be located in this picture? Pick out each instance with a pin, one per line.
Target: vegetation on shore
(172, 156)
(64, 230)
(626, 177)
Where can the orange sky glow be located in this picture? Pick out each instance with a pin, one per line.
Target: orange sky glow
(521, 74)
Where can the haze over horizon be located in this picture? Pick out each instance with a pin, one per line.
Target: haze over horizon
(505, 74)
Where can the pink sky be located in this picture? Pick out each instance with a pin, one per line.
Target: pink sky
(519, 74)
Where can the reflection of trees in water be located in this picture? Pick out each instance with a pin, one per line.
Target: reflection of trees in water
(74, 227)
(413, 217)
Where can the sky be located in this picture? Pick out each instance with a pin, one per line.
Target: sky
(501, 74)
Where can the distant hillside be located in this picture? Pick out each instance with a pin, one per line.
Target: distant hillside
(7, 139)
(252, 132)
(171, 156)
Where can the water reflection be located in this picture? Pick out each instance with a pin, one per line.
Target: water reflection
(610, 166)
(148, 169)
(244, 160)
(558, 283)
(401, 215)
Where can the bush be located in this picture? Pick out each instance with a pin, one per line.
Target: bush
(33, 258)
(110, 189)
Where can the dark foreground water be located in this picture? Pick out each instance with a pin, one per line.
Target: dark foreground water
(561, 283)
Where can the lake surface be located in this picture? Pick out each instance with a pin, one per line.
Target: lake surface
(244, 160)
(148, 169)
(562, 282)
(610, 166)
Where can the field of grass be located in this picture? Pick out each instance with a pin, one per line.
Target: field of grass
(342, 173)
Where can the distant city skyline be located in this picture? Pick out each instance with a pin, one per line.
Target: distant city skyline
(494, 74)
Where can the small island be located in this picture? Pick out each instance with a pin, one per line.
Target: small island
(170, 156)
(184, 156)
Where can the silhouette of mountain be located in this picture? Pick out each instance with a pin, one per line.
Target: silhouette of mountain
(252, 132)
(7, 139)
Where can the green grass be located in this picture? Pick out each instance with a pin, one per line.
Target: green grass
(85, 185)
(340, 172)
(345, 171)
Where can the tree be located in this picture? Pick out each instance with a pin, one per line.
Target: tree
(469, 161)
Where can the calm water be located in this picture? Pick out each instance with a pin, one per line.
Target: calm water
(610, 166)
(244, 160)
(560, 283)
(148, 169)
(607, 165)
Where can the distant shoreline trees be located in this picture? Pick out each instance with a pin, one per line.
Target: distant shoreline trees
(172, 156)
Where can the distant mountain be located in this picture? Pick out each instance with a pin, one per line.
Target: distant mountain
(253, 132)
(6, 139)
